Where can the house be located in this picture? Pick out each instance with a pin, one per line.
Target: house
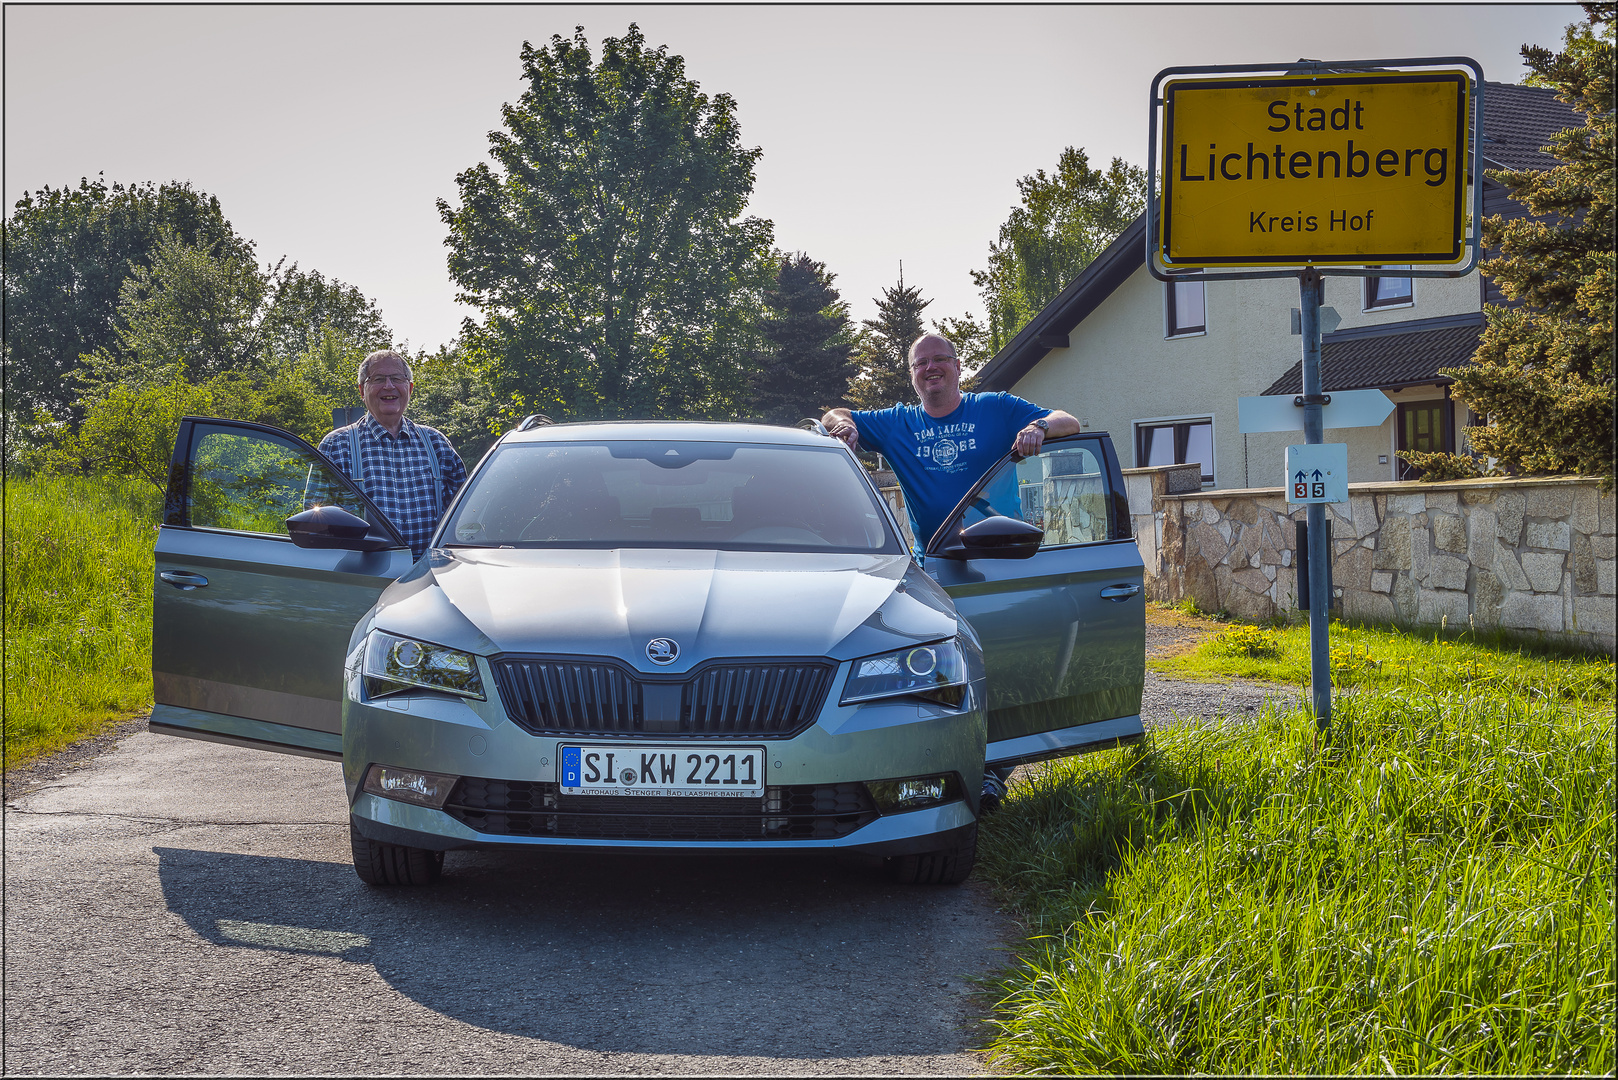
(1161, 365)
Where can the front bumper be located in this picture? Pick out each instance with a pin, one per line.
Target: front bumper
(845, 747)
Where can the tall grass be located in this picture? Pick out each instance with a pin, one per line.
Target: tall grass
(78, 607)
(1378, 656)
(1432, 892)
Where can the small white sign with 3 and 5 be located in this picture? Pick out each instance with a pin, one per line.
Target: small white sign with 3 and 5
(1317, 473)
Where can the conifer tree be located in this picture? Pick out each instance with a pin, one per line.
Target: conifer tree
(1543, 372)
(807, 362)
(884, 349)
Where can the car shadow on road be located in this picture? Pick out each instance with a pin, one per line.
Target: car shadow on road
(777, 956)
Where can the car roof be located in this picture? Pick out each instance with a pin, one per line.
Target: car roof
(666, 431)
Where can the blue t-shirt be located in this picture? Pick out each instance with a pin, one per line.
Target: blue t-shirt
(937, 460)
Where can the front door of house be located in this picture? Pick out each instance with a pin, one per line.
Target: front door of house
(1421, 428)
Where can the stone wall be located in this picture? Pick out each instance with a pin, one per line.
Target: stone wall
(1527, 555)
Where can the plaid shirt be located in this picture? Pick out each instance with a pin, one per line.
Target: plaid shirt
(398, 475)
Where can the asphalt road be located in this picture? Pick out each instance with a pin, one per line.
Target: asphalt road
(180, 907)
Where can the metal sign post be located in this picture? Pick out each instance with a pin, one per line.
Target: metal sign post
(1311, 292)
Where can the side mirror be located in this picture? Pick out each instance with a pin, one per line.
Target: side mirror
(995, 538)
(333, 527)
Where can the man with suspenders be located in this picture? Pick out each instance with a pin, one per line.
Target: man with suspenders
(408, 469)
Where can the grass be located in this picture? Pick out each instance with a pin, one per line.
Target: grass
(1429, 892)
(1372, 656)
(78, 608)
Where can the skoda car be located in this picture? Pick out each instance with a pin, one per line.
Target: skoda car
(690, 636)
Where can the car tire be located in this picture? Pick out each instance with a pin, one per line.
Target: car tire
(950, 866)
(393, 864)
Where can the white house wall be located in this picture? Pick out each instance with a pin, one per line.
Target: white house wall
(1119, 369)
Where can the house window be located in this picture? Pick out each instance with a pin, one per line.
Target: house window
(1187, 308)
(1176, 442)
(1381, 292)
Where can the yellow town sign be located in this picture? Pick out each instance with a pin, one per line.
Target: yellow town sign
(1325, 170)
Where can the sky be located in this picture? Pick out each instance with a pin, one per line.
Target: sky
(891, 134)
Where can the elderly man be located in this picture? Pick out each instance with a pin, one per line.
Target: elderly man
(409, 470)
(942, 447)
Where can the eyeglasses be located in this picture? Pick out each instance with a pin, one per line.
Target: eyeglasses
(922, 361)
(386, 380)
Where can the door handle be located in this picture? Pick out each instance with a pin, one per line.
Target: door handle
(183, 579)
(1119, 593)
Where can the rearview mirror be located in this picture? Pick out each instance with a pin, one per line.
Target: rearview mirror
(995, 538)
(333, 527)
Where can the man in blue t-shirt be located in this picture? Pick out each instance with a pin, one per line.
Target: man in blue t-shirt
(942, 447)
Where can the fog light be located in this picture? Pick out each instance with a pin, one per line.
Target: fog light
(913, 793)
(409, 785)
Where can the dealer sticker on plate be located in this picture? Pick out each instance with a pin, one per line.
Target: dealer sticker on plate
(722, 771)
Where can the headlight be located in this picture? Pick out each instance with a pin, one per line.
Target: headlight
(393, 664)
(935, 672)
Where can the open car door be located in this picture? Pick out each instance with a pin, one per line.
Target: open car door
(1063, 629)
(249, 631)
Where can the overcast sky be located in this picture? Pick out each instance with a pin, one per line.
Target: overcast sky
(889, 133)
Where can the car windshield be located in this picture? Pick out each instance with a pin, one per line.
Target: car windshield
(730, 496)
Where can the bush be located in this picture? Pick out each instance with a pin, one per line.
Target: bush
(1246, 641)
(1439, 467)
(129, 431)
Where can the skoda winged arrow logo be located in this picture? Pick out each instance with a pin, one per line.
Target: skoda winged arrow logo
(662, 650)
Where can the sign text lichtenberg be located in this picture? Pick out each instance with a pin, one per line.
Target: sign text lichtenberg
(1356, 169)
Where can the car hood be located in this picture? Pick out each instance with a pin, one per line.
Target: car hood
(712, 604)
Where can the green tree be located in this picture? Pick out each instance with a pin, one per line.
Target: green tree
(190, 315)
(883, 352)
(67, 253)
(195, 313)
(1066, 219)
(455, 395)
(606, 247)
(807, 362)
(1543, 372)
(971, 341)
(304, 306)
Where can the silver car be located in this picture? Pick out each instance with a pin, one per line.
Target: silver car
(693, 636)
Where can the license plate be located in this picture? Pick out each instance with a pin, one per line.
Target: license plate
(722, 771)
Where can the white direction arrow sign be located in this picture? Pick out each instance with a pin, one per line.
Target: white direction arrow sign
(1347, 408)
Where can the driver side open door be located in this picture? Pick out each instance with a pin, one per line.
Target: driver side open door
(1063, 630)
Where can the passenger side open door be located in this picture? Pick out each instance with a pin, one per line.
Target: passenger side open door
(249, 631)
(1063, 629)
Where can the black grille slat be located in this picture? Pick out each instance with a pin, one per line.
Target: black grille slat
(596, 697)
(533, 808)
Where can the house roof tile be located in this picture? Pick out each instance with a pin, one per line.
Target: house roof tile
(1518, 120)
(1389, 356)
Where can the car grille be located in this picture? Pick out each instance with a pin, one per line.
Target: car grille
(565, 697)
(531, 808)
